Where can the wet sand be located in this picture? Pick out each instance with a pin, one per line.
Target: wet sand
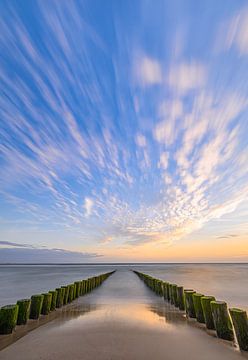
(120, 320)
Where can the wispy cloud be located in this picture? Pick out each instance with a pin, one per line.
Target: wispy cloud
(116, 148)
(148, 71)
(237, 32)
(12, 244)
(187, 76)
(88, 206)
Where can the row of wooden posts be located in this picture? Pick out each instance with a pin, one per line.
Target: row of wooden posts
(18, 314)
(205, 309)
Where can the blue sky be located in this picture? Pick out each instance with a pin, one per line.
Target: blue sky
(124, 130)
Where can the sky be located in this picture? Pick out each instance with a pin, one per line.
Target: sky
(123, 131)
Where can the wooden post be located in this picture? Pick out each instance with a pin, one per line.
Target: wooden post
(168, 292)
(174, 294)
(66, 295)
(171, 294)
(23, 311)
(165, 290)
(180, 298)
(189, 305)
(46, 304)
(198, 308)
(222, 321)
(207, 312)
(54, 299)
(35, 307)
(240, 323)
(8, 318)
(71, 292)
(60, 298)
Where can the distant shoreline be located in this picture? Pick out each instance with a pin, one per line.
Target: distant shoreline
(130, 263)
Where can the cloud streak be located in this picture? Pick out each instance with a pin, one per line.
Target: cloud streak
(115, 148)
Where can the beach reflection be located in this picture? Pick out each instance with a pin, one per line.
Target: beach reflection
(138, 315)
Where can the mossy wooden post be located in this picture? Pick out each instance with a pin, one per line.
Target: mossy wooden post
(86, 286)
(198, 308)
(23, 311)
(46, 304)
(207, 312)
(66, 296)
(168, 292)
(222, 321)
(77, 288)
(171, 294)
(174, 294)
(59, 301)
(8, 318)
(165, 291)
(71, 293)
(63, 294)
(156, 286)
(82, 288)
(240, 323)
(54, 299)
(93, 283)
(35, 307)
(180, 298)
(161, 288)
(189, 305)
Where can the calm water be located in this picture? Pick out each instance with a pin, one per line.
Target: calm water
(227, 282)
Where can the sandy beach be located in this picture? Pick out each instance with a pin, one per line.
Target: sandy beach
(120, 320)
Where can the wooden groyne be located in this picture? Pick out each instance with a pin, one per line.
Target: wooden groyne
(215, 315)
(25, 309)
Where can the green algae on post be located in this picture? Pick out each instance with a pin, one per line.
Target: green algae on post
(174, 294)
(36, 305)
(66, 296)
(23, 311)
(222, 320)
(159, 287)
(198, 307)
(168, 292)
(77, 285)
(189, 305)
(240, 323)
(83, 287)
(165, 290)
(207, 312)
(63, 294)
(71, 292)
(60, 296)
(8, 318)
(180, 298)
(54, 299)
(171, 294)
(46, 305)
(77, 288)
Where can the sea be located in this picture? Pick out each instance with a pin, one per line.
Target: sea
(228, 282)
